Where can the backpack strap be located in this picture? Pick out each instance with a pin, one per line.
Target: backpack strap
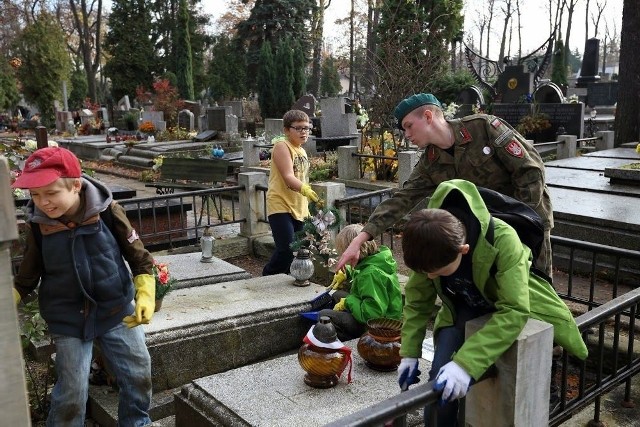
(489, 237)
(533, 269)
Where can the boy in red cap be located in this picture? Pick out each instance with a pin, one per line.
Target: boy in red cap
(86, 291)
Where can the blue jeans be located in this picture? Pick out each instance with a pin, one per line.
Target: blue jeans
(127, 357)
(283, 228)
(449, 340)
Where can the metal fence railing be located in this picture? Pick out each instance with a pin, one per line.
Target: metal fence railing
(608, 328)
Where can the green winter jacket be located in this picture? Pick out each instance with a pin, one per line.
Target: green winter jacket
(375, 290)
(514, 302)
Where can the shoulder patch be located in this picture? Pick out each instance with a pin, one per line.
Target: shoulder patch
(515, 149)
(133, 236)
(503, 138)
(496, 123)
(466, 135)
(431, 154)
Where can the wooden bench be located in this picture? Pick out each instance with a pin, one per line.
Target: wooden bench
(190, 174)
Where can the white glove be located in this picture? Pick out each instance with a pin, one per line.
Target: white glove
(454, 380)
(408, 372)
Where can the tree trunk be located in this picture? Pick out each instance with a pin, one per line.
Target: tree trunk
(316, 37)
(628, 108)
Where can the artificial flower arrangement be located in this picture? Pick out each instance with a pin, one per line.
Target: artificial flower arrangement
(316, 233)
(147, 127)
(164, 281)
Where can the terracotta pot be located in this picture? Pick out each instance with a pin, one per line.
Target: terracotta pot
(380, 345)
(158, 305)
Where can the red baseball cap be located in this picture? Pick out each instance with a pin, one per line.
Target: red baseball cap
(47, 165)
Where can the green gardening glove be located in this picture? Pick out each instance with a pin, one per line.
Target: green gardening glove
(307, 192)
(340, 306)
(145, 285)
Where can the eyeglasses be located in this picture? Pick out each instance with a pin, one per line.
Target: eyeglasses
(301, 129)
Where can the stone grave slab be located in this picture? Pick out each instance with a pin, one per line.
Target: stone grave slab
(207, 329)
(189, 271)
(599, 211)
(278, 395)
(206, 135)
(616, 153)
(587, 163)
(624, 176)
(583, 180)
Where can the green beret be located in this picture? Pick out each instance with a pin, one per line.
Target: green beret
(412, 102)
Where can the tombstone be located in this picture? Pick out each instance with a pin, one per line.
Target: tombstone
(236, 108)
(186, 120)
(152, 116)
(514, 83)
(589, 70)
(512, 113)
(471, 95)
(103, 115)
(222, 119)
(602, 93)
(85, 116)
(160, 125)
(467, 99)
(62, 118)
(548, 93)
(272, 128)
(124, 104)
(306, 103)
(569, 116)
(337, 118)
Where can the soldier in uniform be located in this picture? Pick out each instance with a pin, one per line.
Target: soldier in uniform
(479, 148)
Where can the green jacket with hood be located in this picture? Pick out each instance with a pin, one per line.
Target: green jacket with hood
(375, 290)
(516, 294)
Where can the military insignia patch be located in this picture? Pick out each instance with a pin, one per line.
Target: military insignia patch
(466, 136)
(496, 123)
(515, 149)
(502, 138)
(431, 154)
(133, 236)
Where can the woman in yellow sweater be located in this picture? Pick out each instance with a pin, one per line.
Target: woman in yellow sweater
(289, 191)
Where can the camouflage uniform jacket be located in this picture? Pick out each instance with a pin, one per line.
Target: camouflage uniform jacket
(486, 151)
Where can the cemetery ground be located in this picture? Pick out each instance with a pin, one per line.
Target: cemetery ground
(613, 413)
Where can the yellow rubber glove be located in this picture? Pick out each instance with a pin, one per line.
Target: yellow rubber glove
(307, 192)
(340, 306)
(16, 296)
(145, 285)
(337, 281)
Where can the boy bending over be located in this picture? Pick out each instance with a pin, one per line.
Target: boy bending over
(447, 248)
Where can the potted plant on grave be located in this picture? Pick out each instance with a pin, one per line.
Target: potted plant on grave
(147, 127)
(131, 121)
(533, 125)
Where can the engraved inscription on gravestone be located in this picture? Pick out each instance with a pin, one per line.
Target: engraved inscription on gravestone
(602, 93)
(512, 113)
(569, 116)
